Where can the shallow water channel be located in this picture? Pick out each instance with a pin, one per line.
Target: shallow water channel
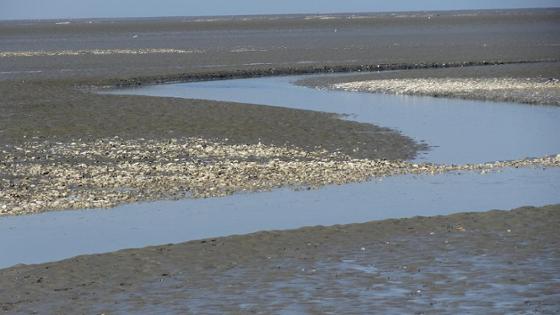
(460, 131)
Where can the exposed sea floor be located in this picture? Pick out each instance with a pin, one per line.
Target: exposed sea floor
(142, 224)
(487, 261)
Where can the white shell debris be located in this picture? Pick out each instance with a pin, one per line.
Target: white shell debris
(42, 176)
(529, 90)
(444, 85)
(143, 51)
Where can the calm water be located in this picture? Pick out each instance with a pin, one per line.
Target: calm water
(529, 131)
(58, 235)
(460, 131)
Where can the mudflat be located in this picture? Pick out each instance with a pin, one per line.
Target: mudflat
(463, 263)
(530, 83)
(50, 71)
(242, 44)
(506, 261)
(45, 68)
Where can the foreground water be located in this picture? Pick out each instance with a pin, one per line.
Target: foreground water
(57, 235)
(477, 126)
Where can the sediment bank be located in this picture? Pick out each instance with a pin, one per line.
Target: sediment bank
(497, 260)
(43, 176)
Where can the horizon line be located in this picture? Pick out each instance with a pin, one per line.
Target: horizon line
(272, 14)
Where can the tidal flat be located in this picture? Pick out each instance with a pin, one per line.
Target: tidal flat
(504, 260)
(470, 262)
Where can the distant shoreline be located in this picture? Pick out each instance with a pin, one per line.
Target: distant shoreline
(247, 17)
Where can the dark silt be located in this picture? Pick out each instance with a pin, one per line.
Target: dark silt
(503, 261)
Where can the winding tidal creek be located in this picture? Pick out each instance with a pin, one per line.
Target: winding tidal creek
(457, 131)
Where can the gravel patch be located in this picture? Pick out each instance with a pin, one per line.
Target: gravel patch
(531, 83)
(42, 176)
(529, 90)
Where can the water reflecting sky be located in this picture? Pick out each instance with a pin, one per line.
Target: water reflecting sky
(30, 239)
(459, 131)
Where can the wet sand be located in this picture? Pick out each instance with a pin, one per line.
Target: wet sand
(260, 44)
(471, 263)
(43, 96)
(503, 261)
